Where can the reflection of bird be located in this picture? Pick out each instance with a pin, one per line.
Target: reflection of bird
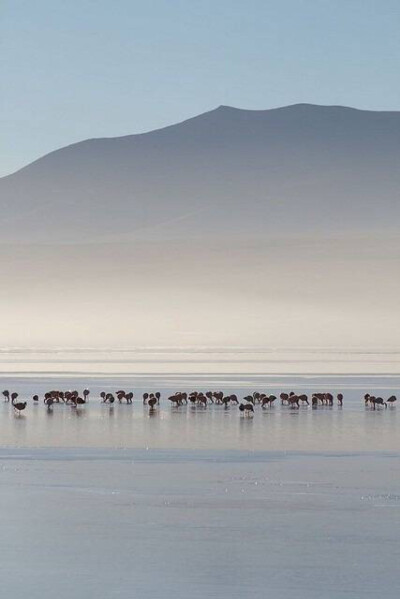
(18, 407)
(6, 394)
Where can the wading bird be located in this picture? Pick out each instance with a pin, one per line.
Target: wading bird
(247, 408)
(19, 406)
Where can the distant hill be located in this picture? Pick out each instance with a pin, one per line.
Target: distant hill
(236, 227)
(224, 174)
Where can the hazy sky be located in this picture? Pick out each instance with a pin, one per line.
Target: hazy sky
(73, 69)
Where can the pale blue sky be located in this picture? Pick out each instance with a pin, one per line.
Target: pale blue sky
(73, 69)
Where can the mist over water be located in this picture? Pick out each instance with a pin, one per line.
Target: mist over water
(295, 293)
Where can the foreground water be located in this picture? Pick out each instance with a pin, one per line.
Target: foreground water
(115, 502)
(165, 524)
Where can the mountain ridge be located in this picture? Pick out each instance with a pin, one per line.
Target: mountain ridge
(225, 172)
(219, 109)
(233, 227)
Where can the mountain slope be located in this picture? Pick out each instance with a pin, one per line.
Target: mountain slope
(226, 173)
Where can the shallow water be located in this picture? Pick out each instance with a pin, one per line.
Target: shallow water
(201, 524)
(114, 502)
(350, 428)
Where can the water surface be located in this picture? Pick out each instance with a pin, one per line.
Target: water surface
(116, 502)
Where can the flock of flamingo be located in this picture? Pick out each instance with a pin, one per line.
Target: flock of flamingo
(195, 398)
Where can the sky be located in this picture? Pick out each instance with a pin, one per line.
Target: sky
(77, 69)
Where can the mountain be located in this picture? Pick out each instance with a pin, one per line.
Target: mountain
(228, 172)
(236, 227)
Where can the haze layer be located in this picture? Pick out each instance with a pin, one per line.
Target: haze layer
(237, 227)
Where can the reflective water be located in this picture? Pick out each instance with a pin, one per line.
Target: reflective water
(163, 524)
(350, 428)
(116, 502)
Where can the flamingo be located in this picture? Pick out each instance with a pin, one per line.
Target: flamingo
(129, 397)
(218, 396)
(175, 399)
(49, 403)
(152, 402)
(209, 396)
(267, 399)
(247, 408)
(293, 400)
(18, 407)
(249, 399)
(378, 401)
(202, 399)
(284, 398)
